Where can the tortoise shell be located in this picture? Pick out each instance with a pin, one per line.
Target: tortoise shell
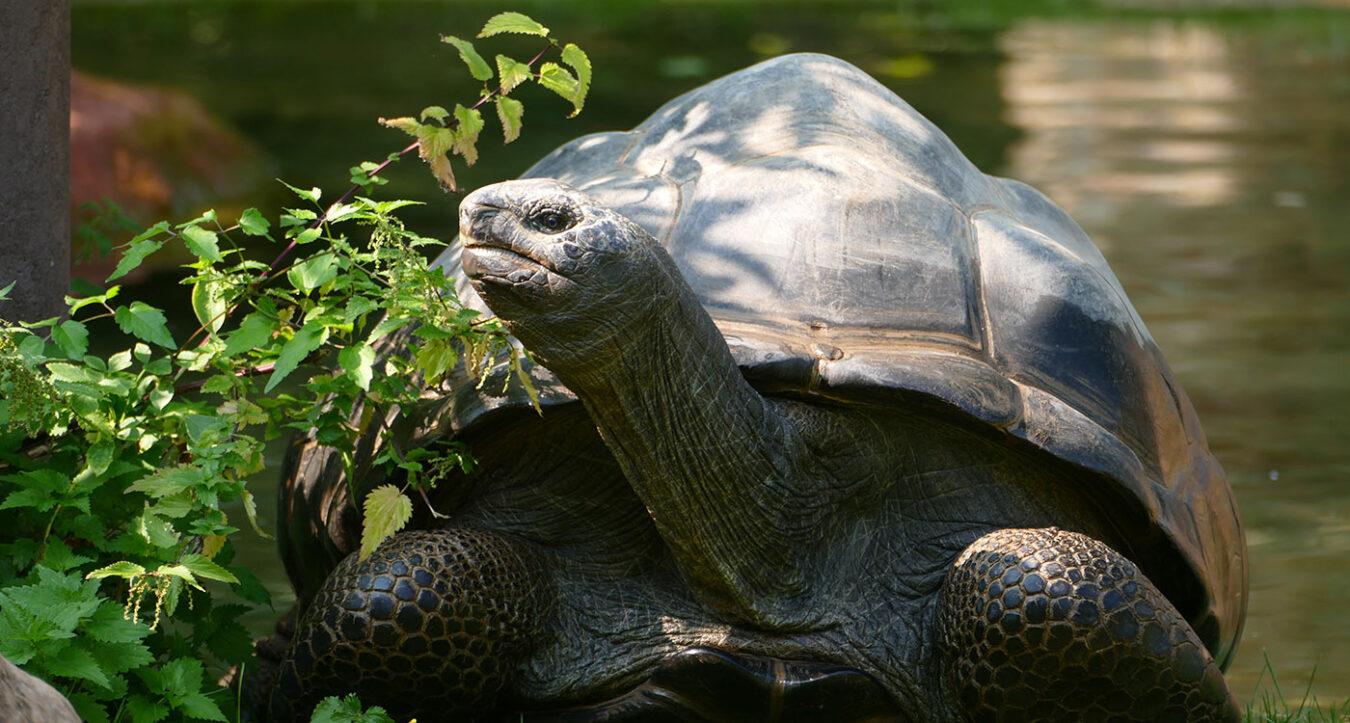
(848, 251)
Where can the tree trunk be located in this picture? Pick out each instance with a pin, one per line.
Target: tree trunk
(35, 157)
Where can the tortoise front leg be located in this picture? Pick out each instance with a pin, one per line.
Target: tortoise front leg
(1045, 624)
(432, 620)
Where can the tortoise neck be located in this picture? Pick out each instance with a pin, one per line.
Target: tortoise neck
(708, 456)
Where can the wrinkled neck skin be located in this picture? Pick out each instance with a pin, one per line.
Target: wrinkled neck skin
(715, 463)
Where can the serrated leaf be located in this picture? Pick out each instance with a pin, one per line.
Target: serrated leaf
(357, 360)
(469, 125)
(433, 111)
(251, 510)
(576, 59)
(387, 510)
(145, 322)
(511, 73)
(478, 67)
(100, 456)
(212, 544)
(512, 22)
(435, 141)
(135, 253)
(178, 572)
(253, 333)
(294, 351)
(208, 303)
(510, 112)
(561, 81)
(203, 243)
(168, 481)
(72, 337)
(109, 625)
(435, 359)
(203, 566)
(121, 657)
(58, 556)
(313, 272)
(312, 194)
(443, 172)
(254, 223)
(411, 126)
(75, 662)
(117, 569)
(154, 529)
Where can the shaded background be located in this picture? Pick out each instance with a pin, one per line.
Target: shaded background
(1206, 149)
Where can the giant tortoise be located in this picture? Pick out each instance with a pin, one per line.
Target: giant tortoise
(834, 427)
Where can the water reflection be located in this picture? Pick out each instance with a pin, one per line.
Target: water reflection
(1210, 163)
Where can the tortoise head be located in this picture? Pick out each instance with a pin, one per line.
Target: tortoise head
(562, 270)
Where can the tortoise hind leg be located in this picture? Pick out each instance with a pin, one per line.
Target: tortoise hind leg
(1045, 624)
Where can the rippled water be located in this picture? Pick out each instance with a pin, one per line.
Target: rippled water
(1213, 168)
(1207, 154)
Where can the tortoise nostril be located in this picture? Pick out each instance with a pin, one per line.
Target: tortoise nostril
(572, 250)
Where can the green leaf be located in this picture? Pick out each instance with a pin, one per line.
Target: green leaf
(77, 304)
(251, 510)
(436, 358)
(100, 456)
(312, 194)
(434, 111)
(202, 243)
(470, 124)
(408, 125)
(357, 361)
(576, 58)
(254, 223)
(387, 510)
(559, 80)
(313, 272)
(388, 325)
(4, 293)
(72, 337)
(509, 112)
(478, 67)
(309, 338)
(203, 566)
(511, 73)
(145, 322)
(108, 625)
(73, 662)
(179, 572)
(308, 235)
(135, 253)
(253, 333)
(169, 480)
(348, 710)
(208, 303)
(155, 529)
(198, 705)
(511, 22)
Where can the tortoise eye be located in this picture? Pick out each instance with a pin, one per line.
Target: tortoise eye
(552, 220)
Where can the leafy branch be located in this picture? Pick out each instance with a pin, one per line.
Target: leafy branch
(440, 132)
(120, 473)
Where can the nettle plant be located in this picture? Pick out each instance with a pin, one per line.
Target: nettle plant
(116, 470)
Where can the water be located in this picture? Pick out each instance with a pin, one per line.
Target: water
(1207, 153)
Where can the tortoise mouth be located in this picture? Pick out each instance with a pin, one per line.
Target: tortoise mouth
(494, 263)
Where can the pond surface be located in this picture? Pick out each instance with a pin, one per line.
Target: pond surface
(1207, 153)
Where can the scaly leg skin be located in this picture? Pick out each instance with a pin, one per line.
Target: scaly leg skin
(1050, 625)
(432, 619)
